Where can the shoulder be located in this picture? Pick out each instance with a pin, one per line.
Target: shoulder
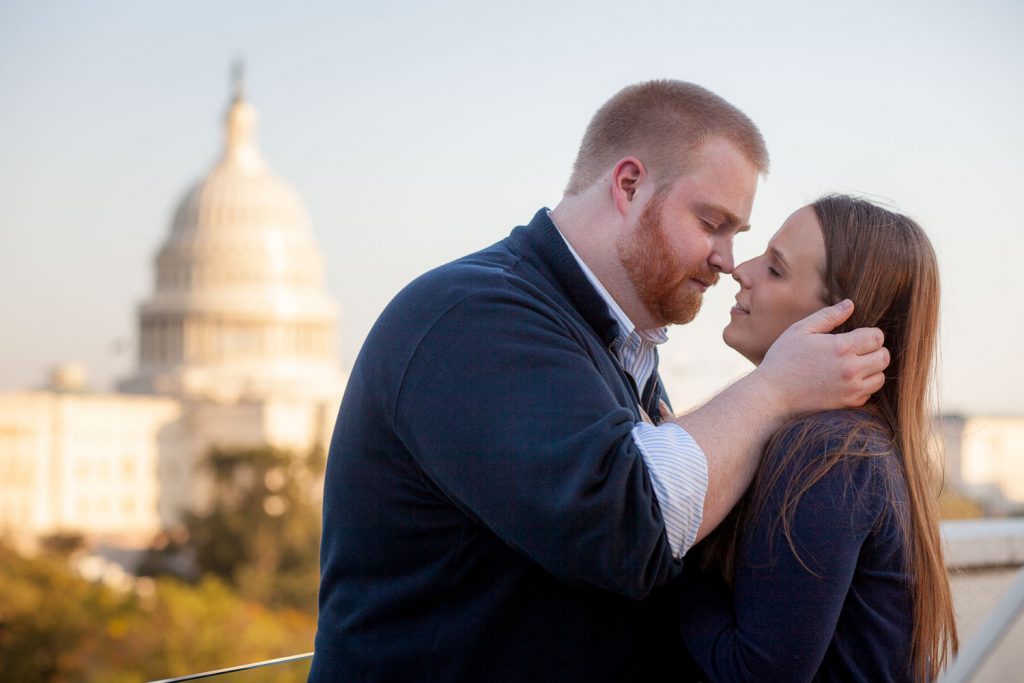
(849, 431)
(834, 474)
(493, 297)
(445, 286)
(841, 451)
(495, 275)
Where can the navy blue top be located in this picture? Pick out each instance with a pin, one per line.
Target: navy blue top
(487, 515)
(847, 615)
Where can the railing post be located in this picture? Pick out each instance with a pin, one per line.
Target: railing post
(995, 628)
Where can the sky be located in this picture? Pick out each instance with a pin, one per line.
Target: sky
(418, 132)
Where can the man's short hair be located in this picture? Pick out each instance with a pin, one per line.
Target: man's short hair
(661, 123)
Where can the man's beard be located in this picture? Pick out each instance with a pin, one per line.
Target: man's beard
(659, 281)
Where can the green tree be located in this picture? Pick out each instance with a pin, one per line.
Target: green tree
(56, 627)
(45, 611)
(184, 629)
(261, 532)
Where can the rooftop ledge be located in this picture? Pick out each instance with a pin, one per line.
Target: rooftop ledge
(984, 543)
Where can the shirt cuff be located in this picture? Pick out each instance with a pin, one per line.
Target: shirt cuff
(679, 474)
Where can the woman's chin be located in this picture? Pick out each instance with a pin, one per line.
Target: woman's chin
(735, 343)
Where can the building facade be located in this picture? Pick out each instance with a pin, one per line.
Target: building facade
(984, 460)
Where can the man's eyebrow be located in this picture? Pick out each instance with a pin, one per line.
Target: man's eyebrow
(730, 217)
(778, 256)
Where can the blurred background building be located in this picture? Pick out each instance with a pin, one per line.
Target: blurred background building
(237, 348)
(983, 463)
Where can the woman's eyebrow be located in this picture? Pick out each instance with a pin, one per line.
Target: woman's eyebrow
(778, 256)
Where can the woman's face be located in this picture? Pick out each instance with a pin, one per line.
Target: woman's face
(781, 286)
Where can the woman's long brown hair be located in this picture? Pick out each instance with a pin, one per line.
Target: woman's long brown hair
(885, 264)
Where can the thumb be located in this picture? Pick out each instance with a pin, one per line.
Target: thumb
(827, 319)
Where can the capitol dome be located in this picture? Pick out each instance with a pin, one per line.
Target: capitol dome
(239, 309)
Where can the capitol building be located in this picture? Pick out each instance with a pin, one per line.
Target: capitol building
(237, 348)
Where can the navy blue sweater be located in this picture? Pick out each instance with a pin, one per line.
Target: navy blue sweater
(487, 515)
(847, 614)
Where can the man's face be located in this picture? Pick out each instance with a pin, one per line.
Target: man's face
(682, 240)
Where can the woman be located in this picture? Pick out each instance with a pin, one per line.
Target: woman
(831, 567)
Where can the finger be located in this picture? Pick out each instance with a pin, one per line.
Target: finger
(875, 362)
(869, 367)
(829, 318)
(869, 370)
(864, 340)
(870, 386)
(874, 382)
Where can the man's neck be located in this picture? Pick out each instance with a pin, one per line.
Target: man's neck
(594, 234)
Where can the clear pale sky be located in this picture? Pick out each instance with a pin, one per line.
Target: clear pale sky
(416, 132)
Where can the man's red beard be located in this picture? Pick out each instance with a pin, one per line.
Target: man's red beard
(659, 280)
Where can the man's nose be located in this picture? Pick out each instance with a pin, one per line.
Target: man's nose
(721, 259)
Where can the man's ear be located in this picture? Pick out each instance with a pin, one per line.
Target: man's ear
(627, 175)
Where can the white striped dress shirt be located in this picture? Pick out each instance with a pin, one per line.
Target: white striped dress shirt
(677, 466)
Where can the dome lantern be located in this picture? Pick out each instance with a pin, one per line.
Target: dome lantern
(240, 128)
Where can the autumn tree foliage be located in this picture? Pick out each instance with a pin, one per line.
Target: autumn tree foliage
(236, 583)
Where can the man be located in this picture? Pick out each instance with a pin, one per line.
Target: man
(499, 503)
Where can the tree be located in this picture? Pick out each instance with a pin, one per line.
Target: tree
(45, 610)
(261, 531)
(184, 629)
(56, 627)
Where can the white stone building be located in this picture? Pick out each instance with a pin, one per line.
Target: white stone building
(237, 347)
(984, 460)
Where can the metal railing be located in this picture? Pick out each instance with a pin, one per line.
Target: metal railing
(979, 648)
(236, 669)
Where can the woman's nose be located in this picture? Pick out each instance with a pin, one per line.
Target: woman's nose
(739, 274)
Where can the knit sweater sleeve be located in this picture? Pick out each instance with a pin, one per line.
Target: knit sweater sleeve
(503, 409)
(779, 619)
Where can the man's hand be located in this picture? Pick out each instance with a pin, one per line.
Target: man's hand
(807, 369)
